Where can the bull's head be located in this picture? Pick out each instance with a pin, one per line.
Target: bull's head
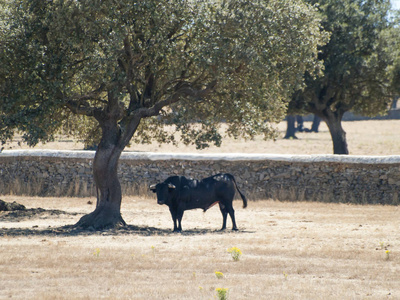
(163, 191)
(153, 187)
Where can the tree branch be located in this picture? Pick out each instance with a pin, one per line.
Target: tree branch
(131, 122)
(79, 104)
(82, 108)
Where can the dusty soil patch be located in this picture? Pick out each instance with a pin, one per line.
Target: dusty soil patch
(290, 251)
(32, 213)
(15, 212)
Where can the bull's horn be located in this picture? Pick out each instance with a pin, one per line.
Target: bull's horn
(153, 187)
(171, 186)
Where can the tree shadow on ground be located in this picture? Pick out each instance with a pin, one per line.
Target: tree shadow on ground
(71, 230)
(22, 214)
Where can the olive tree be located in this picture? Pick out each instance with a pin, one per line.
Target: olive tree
(392, 38)
(355, 65)
(135, 66)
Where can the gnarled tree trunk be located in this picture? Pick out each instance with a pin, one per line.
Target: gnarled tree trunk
(109, 196)
(334, 122)
(108, 208)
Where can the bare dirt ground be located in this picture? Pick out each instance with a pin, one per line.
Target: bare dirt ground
(363, 137)
(289, 251)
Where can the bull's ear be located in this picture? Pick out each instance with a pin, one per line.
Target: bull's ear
(153, 188)
(171, 186)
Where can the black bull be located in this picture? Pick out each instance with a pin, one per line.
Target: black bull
(181, 193)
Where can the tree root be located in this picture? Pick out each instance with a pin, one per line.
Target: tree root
(101, 218)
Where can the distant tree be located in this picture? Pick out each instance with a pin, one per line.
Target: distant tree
(295, 108)
(290, 127)
(392, 38)
(133, 66)
(355, 64)
(315, 124)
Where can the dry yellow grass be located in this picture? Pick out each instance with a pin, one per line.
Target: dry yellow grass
(290, 251)
(363, 137)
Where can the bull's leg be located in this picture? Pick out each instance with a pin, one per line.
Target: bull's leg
(174, 218)
(179, 217)
(232, 214)
(175, 226)
(224, 215)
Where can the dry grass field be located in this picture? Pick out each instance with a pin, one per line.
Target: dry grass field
(290, 250)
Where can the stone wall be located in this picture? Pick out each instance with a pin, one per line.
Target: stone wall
(328, 178)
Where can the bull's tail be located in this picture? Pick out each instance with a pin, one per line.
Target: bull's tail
(241, 194)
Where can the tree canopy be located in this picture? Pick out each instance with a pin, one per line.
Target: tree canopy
(355, 65)
(71, 54)
(392, 40)
(134, 66)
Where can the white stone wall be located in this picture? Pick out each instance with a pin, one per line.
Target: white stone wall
(329, 178)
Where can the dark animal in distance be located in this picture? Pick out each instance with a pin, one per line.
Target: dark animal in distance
(181, 193)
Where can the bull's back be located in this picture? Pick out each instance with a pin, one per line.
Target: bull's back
(205, 193)
(223, 187)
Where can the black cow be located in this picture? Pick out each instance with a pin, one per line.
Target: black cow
(181, 193)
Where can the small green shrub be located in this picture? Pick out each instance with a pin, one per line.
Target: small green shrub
(222, 293)
(235, 252)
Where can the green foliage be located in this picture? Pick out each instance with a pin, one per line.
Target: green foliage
(355, 61)
(193, 64)
(391, 39)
